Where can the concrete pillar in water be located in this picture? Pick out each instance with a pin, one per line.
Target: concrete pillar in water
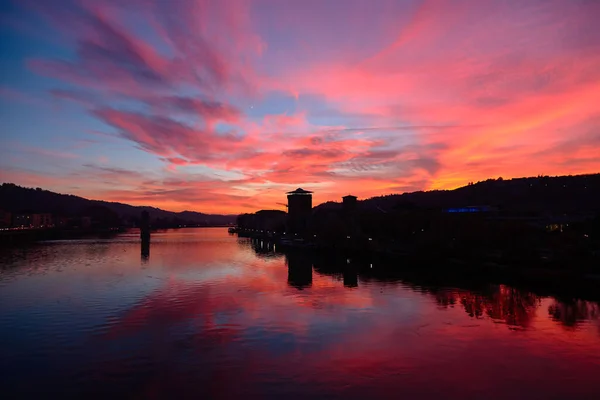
(145, 235)
(145, 226)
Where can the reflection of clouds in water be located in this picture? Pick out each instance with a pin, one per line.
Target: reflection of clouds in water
(205, 314)
(501, 303)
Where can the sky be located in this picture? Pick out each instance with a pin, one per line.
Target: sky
(223, 106)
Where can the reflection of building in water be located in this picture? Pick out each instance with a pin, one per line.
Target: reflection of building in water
(263, 247)
(350, 276)
(299, 210)
(299, 270)
(145, 251)
(332, 265)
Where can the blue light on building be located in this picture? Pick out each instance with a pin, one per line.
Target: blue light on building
(468, 209)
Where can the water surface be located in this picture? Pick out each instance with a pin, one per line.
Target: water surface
(208, 315)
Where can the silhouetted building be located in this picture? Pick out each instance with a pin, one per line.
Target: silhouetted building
(246, 221)
(349, 211)
(21, 220)
(270, 220)
(299, 210)
(349, 203)
(42, 220)
(263, 221)
(5, 219)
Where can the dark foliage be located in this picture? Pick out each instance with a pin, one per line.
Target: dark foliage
(527, 196)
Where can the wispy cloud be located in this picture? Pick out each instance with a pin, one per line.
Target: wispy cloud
(367, 98)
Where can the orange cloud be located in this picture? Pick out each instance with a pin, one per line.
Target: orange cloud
(245, 101)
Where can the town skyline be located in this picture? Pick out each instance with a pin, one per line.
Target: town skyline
(221, 106)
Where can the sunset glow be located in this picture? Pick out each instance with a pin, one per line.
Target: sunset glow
(223, 106)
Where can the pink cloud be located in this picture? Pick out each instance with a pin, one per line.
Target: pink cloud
(431, 94)
(508, 79)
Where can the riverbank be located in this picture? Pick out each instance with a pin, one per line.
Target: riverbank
(16, 237)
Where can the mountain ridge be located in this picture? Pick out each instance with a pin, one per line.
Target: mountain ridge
(526, 195)
(15, 199)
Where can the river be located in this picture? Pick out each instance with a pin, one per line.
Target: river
(209, 315)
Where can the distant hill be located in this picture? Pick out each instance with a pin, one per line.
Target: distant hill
(579, 194)
(15, 199)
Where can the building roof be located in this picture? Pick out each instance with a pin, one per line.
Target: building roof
(299, 191)
(349, 197)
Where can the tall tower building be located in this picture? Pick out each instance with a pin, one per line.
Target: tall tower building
(349, 204)
(299, 210)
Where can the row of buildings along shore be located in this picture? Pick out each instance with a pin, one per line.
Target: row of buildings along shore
(472, 229)
(43, 221)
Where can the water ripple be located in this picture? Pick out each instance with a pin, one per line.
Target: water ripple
(209, 315)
